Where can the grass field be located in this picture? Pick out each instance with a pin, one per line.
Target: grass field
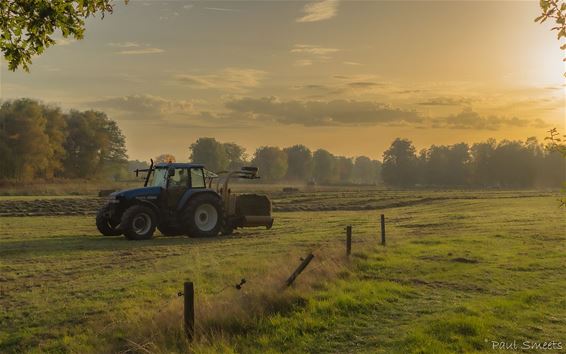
(460, 270)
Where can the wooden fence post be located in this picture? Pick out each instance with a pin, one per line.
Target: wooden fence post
(298, 271)
(383, 229)
(348, 239)
(189, 311)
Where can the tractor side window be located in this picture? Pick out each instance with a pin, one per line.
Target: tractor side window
(180, 179)
(197, 178)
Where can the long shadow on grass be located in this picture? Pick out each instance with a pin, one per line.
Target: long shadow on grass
(48, 245)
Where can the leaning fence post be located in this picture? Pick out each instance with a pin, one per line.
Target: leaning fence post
(348, 239)
(189, 311)
(298, 271)
(383, 229)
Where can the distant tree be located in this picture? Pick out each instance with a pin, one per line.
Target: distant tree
(343, 167)
(56, 130)
(299, 159)
(95, 145)
(210, 153)
(26, 143)
(323, 167)
(27, 26)
(445, 165)
(513, 165)
(377, 167)
(365, 170)
(165, 158)
(400, 164)
(271, 161)
(236, 155)
(482, 168)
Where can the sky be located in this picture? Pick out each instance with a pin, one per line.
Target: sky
(346, 76)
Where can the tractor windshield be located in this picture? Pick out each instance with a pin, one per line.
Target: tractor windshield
(159, 178)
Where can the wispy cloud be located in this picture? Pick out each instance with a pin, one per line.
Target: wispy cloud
(319, 11)
(229, 79)
(135, 48)
(223, 9)
(303, 62)
(126, 44)
(65, 41)
(322, 113)
(140, 51)
(446, 101)
(144, 107)
(314, 50)
(469, 119)
(353, 63)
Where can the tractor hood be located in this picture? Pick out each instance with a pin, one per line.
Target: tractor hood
(137, 193)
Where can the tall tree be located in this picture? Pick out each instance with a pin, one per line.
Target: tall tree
(299, 159)
(323, 167)
(271, 161)
(343, 167)
(365, 170)
(95, 145)
(27, 26)
(236, 155)
(26, 142)
(56, 130)
(400, 164)
(210, 153)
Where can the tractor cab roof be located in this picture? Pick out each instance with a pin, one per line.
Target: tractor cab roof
(178, 165)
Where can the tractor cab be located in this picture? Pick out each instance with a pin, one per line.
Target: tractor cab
(176, 179)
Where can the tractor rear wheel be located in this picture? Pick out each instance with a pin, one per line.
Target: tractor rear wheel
(138, 223)
(105, 225)
(203, 216)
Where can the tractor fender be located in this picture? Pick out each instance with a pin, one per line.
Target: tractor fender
(148, 204)
(189, 194)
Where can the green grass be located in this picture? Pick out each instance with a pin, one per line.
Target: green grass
(455, 275)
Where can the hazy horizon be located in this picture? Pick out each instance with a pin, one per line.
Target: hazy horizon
(346, 76)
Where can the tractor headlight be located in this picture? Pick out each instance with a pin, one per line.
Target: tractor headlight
(113, 200)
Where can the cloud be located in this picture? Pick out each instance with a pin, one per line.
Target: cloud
(445, 101)
(320, 113)
(65, 41)
(144, 107)
(126, 44)
(221, 9)
(319, 11)
(303, 62)
(148, 50)
(363, 84)
(468, 119)
(229, 79)
(353, 63)
(314, 50)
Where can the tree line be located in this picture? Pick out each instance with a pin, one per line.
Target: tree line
(489, 164)
(294, 163)
(504, 164)
(41, 141)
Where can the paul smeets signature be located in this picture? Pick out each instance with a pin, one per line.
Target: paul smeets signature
(526, 345)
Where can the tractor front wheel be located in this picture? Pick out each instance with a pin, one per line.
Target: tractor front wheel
(138, 223)
(203, 216)
(104, 223)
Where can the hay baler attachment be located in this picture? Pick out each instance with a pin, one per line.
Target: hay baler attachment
(243, 210)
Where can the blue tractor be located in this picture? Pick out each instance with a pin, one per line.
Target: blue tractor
(179, 199)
